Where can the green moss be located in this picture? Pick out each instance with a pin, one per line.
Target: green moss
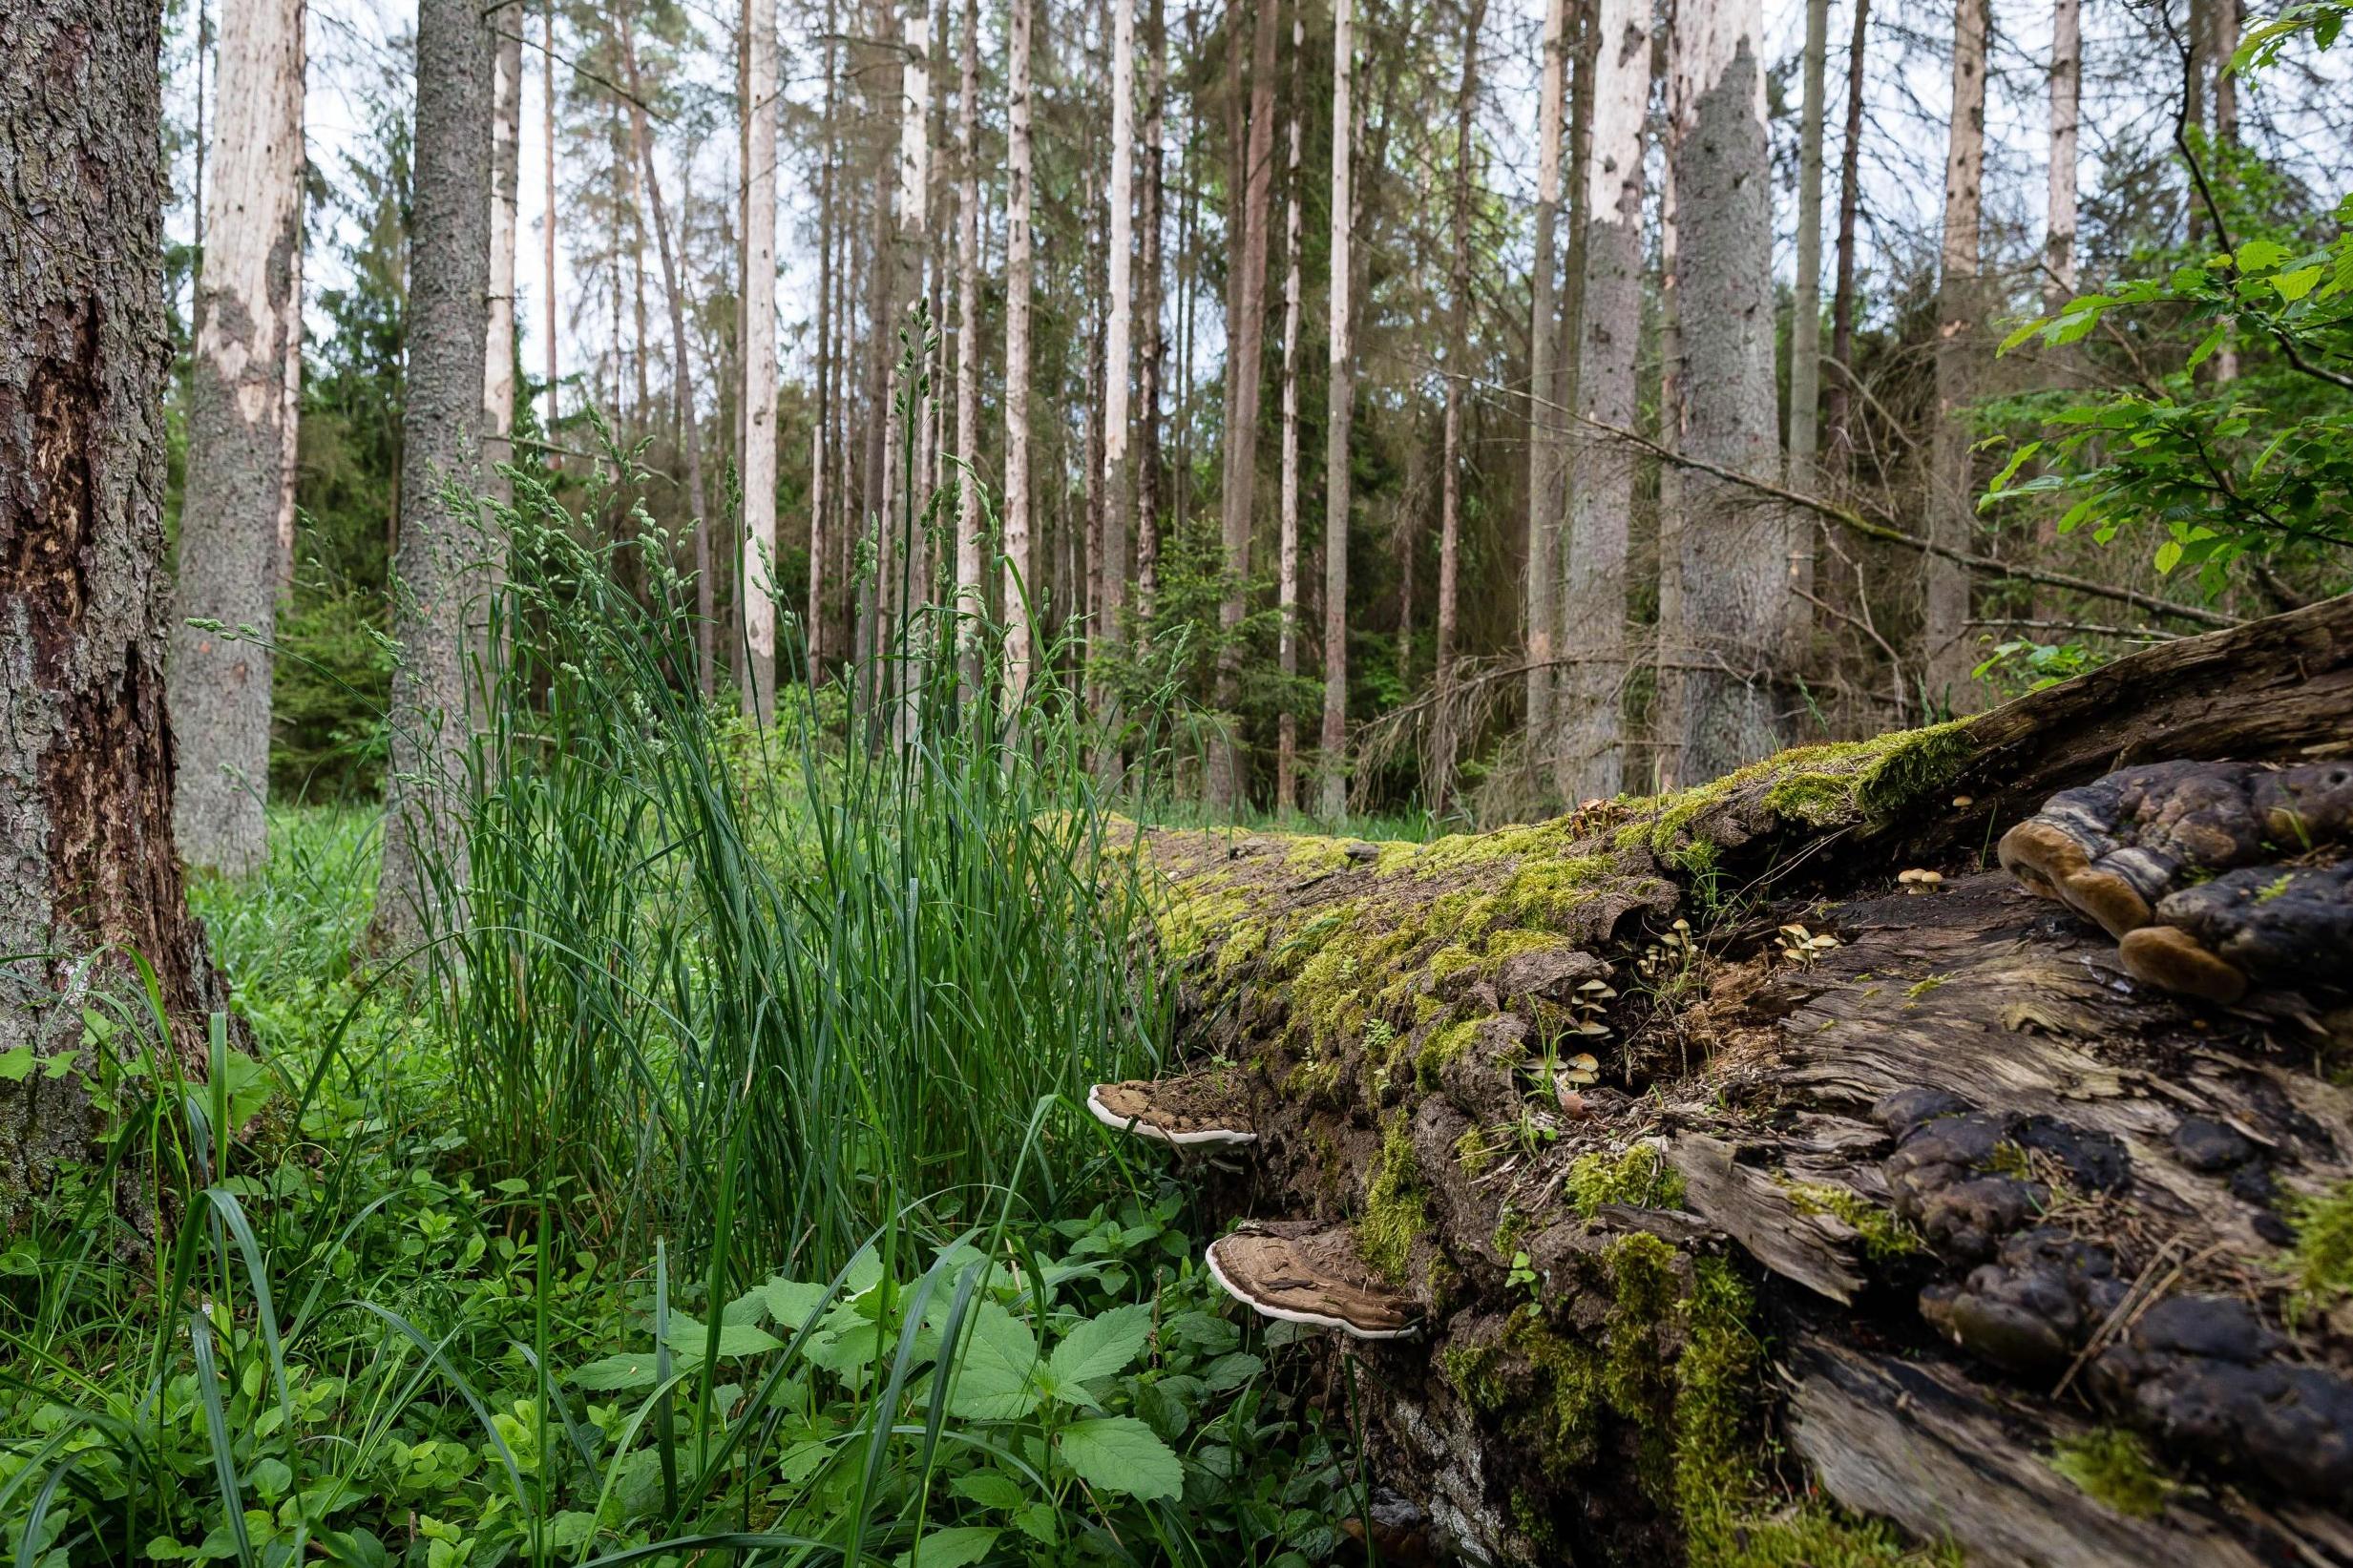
(1549, 889)
(1818, 800)
(1470, 1371)
(1559, 1421)
(1911, 765)
(1395, 1215)
(2112, 1466)
(1639, 1177)
(1510, 1228)
(1443, 1046)
(2323, 1254)
(1505, 945)
(1885, 1233)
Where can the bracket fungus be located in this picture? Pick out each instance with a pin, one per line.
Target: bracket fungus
(1305, 1272)
(1195, 1109)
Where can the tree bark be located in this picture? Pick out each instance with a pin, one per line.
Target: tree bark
(1733, 546)
(547, 223)
(1841, 400)
(1153, 356)
(86, 743)
(1287, 542)
(248, 328)
(1110, 607)
(1246, 320)
(756, 439)
(436, 568)
(970, 589)
(1946, 650)
(1547, 460)
(1443, 742)
(1590, 758)
(1805, 331)
(1331, 763)
(1018, 283)
(1636, 1292)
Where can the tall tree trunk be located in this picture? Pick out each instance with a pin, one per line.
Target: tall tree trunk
(1540, 609)
(1944, 629)
(1841, 400)
(1443, 744)
(85, 754)
(248, 326)
(2223, 17)
(757, 443)
(291, 425)
(498, 337)
(1732, 549)
(910, 586)
(2067, 75)
(1117, 473)
(1592, 754)
(682, 395)
(1152, 354)
(828, 344)
(1245, 311)
(1333, 763)
(448, 282)
(1287, 544)
(1017, 284)
(1670, 637)
(972, 602)
(1805, 328)
(547, 236)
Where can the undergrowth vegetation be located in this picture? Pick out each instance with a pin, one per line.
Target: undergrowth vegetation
(715, 1180)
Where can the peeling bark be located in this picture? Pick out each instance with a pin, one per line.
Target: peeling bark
(1925, 1203)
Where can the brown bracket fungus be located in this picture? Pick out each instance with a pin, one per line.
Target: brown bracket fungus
(1301, 1271)
(2259, 925)
(1195, 1109)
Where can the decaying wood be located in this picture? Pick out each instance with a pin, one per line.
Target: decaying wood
(1983, 1194)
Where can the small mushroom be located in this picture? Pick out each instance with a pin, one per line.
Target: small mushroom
(1962, 802)
(1580, 1070)
(1197, 1108)
(1919, 881)
(1305, 1272)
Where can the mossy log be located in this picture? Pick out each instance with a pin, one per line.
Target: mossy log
(1938, 1240)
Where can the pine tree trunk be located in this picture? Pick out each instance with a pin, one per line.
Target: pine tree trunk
(1944, 629)
(1733, 550)
(1541, 612)
(1245, 312)
(1443, 744)
(1018, 653)
(435, 569)
(1841, 399)
(1118, 472)
(498, 337)
(86, 753)
(1591, 752)
(1331, 796)
(1287, 544)
(1151, 369)
(248, 327)
(755, 594)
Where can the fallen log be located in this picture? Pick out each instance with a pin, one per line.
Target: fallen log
(1892, 1219)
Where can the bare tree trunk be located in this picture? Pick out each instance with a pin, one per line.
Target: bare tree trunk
(1733, 547)
(755, 592)
(498, 337)
(683, 396)
(1333, 763)
(2066, 65)
(1805, 328)
(291, 393)
(1667, 707)
(1287, 549)
(1944, 631)
(1153, 352)
(2223, 18)
(547, 143)
(86, 753)
(1246, 310)
(1591, 761)
(970, 589)
(1443, 742)
(1841, 400)
(1541, 612)
(1117, 473)
(248, 326)
(910, 586)
(1017, 284)
(449, 273)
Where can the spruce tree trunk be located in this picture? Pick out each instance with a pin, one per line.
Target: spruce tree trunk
(1152, 370)
(1118, 471)
(1945, 648)
(1331, 763)
(1734, 548)
(1805, 334)
(86, 745)
(1591, 760)
(971, 590)
(1286, 543)
(1018, 285)
(248, 327)
(1841, 400)
(756, 438)
(435, 568)
(506, 22)
(1442, 743)
(547, 225)
(1546, 459)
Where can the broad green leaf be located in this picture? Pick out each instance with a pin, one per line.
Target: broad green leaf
(1104, 1344)
(990, 1489)
(952, 1548)
(735, 1339)
(2169, 555)
(630, 1369)
(1119, 1453)
(992, 1379)
(16, 1066)
(2212, 342)
(791, 1302)
(2259, 255)
(1231, 1371)
(2295, 285)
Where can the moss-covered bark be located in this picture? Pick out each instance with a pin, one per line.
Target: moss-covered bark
(1622, 1279)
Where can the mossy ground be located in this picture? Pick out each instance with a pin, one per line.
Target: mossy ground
(2322, 1255)
(1395, 1213)
(2113, 1466)
(1885, 1235)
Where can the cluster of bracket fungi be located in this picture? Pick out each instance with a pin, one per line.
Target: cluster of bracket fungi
(2213, 876)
